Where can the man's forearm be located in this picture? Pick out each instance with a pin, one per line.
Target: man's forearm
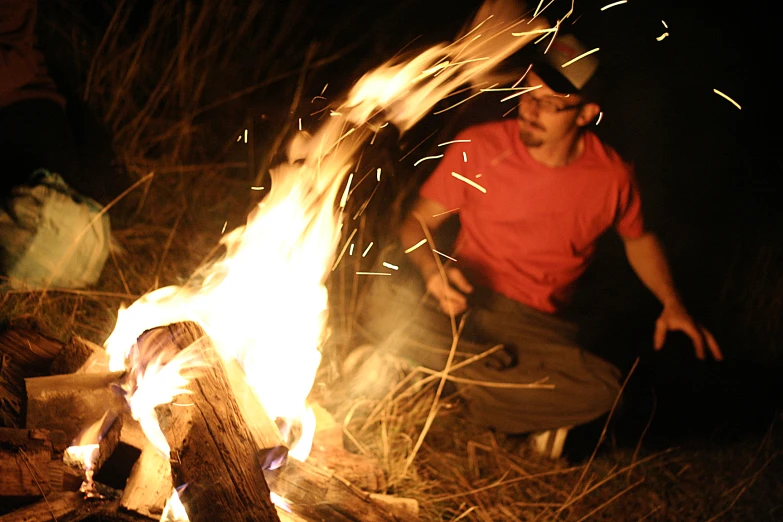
(411, 234)
(647, 258)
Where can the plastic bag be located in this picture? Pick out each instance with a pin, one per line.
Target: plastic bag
(52, 236)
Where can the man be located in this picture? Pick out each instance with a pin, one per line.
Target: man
(533, 195)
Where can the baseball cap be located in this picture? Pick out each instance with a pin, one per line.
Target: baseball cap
(562, 74)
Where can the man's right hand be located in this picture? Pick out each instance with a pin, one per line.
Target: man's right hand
(451, 300)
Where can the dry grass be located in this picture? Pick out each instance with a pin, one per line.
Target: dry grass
(173, 82)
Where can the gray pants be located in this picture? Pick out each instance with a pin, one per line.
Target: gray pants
(537, 346)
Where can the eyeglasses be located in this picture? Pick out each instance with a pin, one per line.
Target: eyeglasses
(548, 104)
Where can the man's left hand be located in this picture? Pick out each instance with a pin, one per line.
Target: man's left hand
(675, 317)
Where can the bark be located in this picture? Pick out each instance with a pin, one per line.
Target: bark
(30, 462)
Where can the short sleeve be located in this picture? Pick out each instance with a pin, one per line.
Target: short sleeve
(629, 219)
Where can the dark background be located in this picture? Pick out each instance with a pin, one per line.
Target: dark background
(708, 174)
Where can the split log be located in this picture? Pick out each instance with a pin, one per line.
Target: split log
(54, 507)
(30, 462)
(149, 484)
(23, 353)
(314, 493)
(212, 449)
(72, 403)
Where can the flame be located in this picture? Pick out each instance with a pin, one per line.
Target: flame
(155, 381)
(85, 449)
(264, 303)
(174, 511)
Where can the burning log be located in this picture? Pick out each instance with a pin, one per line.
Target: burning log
(212, 449)
(30, 462)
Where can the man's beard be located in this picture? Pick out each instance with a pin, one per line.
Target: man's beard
(528, 137)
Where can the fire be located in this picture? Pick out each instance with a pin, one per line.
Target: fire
(84, 451)
(264, 303)
(174, 511)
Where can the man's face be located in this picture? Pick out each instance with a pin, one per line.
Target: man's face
(546, 117)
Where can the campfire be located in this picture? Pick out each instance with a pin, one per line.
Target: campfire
(196, 408)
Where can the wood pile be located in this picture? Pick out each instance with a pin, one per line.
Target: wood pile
(225, 450)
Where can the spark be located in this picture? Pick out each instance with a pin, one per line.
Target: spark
(665, 24)
(239, 138)
(256, 188)
(344, 199)
(459, 103)
(523, 76)
(444, 255)
(607, 6)
(417, 245)
(224, 227)
(373, 273)
(245, 135)
(452, 141)
(557, 28)
(324, 89)
(469, 182)
(300, 124)
(664, 35)
(544, 9)
(389, 265)
(538, 9)
(345, 247)
(535, 31)
(569, 62)
(600, 116)
(364, 254)
(464, 156)
(350, 250)
(335, 113)
(737, 105)
(521, 91)
(378, 174)
(447, 212)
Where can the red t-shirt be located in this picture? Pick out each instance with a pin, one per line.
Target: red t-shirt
(527, 230)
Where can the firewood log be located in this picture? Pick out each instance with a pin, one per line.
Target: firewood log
(54, 507)
(29, 462)
(23, 353)
(318, 494)
(212, 450)
(73, 402)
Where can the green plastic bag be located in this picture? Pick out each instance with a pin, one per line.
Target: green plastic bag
(52, 236)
